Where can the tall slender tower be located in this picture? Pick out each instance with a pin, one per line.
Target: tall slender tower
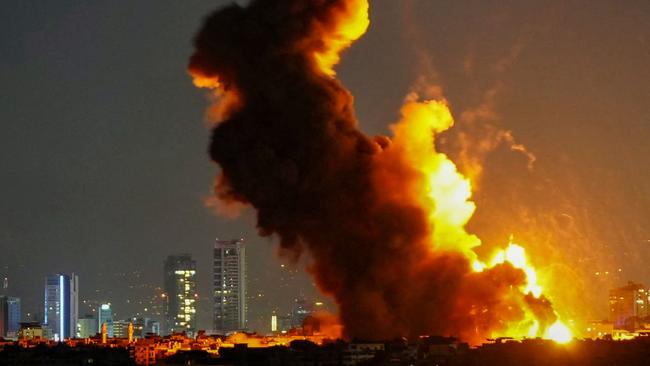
(230, 308)
(180, 288)
(13, 316)
(61, 305)
(4, 316)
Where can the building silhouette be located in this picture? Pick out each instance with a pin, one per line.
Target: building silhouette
(14, 316)
(120, 328)
(627, 305)
(61, 305)
(300, 311)
(105, 315)
(229, 292)
(9, 316)
(4, 315)
(143, 326)
(180, 294)
(87, 326)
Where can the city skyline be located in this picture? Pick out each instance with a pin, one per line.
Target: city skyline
(629, 314)
(100, 310)
(105, 171)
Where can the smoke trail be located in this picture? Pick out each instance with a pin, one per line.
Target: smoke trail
(384, 233)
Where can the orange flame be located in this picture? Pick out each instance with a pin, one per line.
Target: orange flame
(223, 100)
(206, 82)
(201, 80)
(447, 197)
(353, 23)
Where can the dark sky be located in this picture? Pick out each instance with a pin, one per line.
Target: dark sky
(103, 144)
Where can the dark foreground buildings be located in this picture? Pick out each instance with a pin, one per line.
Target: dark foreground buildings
(426, 351)
(433, 351)
(64, 355)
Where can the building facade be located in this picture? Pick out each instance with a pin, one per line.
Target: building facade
(10, 315)
(14, 316)
(300, 311)
(180, 294)
(4, 315)
(628, 305)
(145, 326)
(105, 316)
(33, 330)
(229, 291)
(120, 328)
(87, 326)
(61, 305)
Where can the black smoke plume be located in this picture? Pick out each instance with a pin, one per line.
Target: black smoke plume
(289, 146)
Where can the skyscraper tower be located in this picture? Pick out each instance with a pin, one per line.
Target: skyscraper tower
(180, 288)
(13, 316)
(9, 316)
(4, 315)
(230, 308)
(105, 317)
(61, 305)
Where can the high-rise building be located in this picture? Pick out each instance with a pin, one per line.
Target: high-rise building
(87, 326)
(230, 306)
(9, 312)
(61, 305)
(13, 316)
(180, 294)
(4, 315)
(105, 316)
(300, 311)
(627, 305)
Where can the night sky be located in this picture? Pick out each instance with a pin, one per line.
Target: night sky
(104, 169)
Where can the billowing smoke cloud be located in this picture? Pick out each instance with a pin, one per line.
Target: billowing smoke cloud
(289, 146)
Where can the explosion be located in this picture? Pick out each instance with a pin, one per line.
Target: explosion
(382, 218)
